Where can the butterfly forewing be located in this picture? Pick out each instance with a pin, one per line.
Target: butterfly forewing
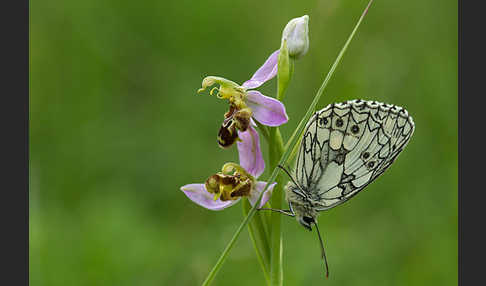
(346, 146)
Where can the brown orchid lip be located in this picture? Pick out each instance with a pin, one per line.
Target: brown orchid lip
(229, 186)
(242, 119)
(227, 134)
(230, 112)
(243, 191)
(235, 119)
(229, 180)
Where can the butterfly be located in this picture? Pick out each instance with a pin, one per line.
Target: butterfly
(345, 146)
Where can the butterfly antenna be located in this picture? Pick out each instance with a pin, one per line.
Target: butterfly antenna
(291, 178)
(323, 253)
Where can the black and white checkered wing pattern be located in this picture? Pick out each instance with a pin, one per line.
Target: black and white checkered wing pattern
(346, 146)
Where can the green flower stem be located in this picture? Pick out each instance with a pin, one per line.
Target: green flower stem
(276, 148)
(292, 142)
(263, 129)
(259, 237)
(284, 70)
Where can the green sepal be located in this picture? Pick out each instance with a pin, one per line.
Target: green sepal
(284, 70)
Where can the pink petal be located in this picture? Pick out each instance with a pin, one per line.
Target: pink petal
(267, 110)
(249, 151)
(264, 73)
(257, 191)
(198, 194)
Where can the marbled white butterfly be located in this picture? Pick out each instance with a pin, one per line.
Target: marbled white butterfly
(344, 147)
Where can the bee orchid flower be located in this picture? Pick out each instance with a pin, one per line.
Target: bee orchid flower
(245, 106)
(227, 187)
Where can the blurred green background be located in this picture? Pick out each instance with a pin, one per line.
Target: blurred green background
(116, 128)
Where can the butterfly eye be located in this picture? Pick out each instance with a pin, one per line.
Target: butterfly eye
(308, 220)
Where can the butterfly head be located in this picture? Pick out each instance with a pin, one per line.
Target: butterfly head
(306, 221)
(303, 207)
(305, 214)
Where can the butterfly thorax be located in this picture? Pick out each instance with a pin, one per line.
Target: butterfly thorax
(305, 208)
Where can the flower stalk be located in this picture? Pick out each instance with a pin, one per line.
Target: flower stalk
(276, 150)
(258, 235)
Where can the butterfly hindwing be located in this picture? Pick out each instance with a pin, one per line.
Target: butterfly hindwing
(346, 146)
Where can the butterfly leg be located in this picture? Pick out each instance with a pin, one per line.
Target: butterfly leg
(285, 212)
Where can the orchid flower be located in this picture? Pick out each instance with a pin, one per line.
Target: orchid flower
(227, 187)
(246, 105)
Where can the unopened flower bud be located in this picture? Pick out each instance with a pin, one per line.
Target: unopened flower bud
(296, 33)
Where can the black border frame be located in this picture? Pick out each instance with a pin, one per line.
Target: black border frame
(14, 210)
(471, 67)
(15, 115)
